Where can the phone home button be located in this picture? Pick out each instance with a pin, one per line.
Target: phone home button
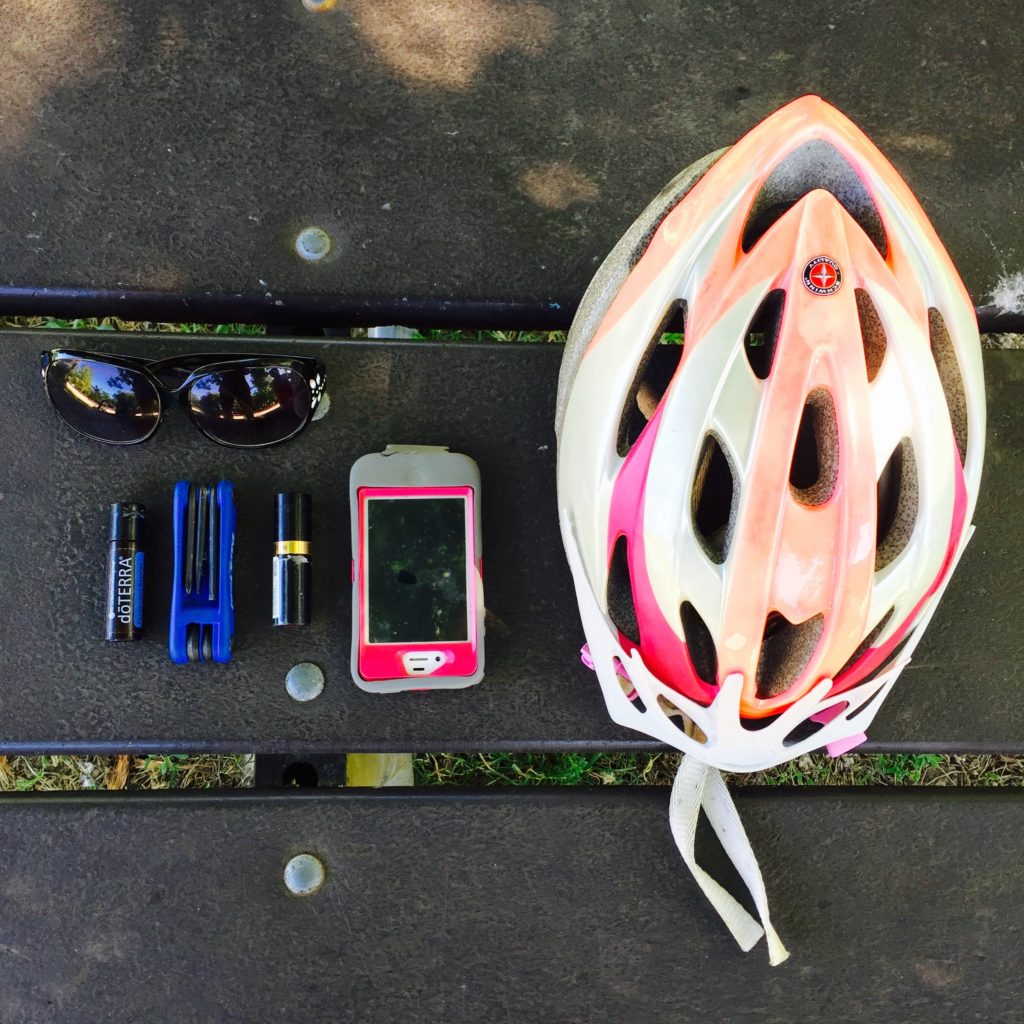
(422, 663)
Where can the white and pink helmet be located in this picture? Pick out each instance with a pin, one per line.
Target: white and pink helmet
(758, 554)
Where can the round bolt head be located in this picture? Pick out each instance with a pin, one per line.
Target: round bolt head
(304, 681)
(312, 244)
(304, 874)
(318, 5)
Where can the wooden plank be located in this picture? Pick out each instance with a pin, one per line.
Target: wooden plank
(68, 689)
(471, 163)
(564, 905)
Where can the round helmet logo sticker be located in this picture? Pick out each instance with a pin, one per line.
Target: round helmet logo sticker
(823, 276)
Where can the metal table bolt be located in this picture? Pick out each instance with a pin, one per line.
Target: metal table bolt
(318, 5)
(304, 681)
(304, 874)
(312, 244)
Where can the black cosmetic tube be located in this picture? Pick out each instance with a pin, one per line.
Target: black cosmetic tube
(124, 571)
(292, 570)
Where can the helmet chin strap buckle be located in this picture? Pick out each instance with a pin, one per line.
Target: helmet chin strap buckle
(588, 659)
(844, 746)
(841, 746)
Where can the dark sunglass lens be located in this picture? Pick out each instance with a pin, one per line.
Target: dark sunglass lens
(250, 406)
(104, 402)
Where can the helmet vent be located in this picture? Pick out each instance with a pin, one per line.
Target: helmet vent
(699, 643)
(815, 465)
(872, 333)
(619, 596)
(815, 164)
(654, 373)
(871, 700)
(886, 666)
(867, 642)
(629, 689)
(896, 505)
(674, 714)
(785, 651)
(714, 500)
(763, 333)
(952, 381)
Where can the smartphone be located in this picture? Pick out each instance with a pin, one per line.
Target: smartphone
(417, 579)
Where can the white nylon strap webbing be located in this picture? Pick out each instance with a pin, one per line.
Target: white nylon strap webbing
(699, 786)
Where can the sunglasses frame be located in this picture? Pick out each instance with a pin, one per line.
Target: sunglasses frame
(175, 376)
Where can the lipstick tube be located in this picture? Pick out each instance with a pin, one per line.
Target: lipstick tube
(124, 571)
(292, 569)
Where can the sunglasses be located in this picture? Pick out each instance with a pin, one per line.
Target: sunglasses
(242, 402)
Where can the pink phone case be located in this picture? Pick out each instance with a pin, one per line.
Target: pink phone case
(411, 474)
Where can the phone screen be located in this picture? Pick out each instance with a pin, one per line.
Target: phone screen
(416, 570)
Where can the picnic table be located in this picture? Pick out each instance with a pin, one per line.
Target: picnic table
(470, 163)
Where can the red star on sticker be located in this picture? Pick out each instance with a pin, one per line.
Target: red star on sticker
(823, 276)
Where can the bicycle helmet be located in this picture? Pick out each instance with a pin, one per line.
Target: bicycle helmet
(761, 520)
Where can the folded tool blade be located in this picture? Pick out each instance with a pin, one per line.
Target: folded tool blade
(214, 542)
(202, 512)
(190, 541)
